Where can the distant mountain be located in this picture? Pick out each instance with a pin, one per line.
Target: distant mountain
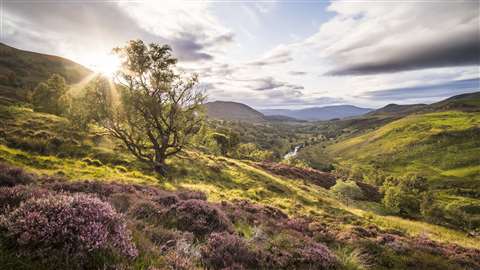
(233, 111)
(463, 102)
(282, 118)
(398, 110)
(21, 70)
(320, 113)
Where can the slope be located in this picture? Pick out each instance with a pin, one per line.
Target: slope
(233, 111)
(23, 70)
(320, 113)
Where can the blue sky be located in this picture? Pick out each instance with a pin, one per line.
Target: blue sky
(275, 54)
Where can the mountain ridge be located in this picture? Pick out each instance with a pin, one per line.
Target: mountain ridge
(320, 113)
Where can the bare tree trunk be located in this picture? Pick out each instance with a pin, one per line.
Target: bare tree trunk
(159, 165)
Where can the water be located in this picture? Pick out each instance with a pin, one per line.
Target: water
(292, 153)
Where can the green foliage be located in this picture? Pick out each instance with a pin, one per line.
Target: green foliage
(226, 142)
(49, 96)
(252, 152)
(351, 259)
(404, 195)
(296, 162)
(348, 190)
(157, 111)
(87, 108)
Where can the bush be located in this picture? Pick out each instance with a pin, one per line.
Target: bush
(146, 210)
(348, 190)
(11, 197)
(198, 217)
(401, 202)
(224, 250)
(166, 200)
(295, 252)
(11, 176)
(66, 228)
(403, 196)
(192, 195)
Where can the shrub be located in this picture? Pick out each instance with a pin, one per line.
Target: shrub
(121, 201)
(348, 190)
(198, 217)
(192, 195)
(224, 250)
(166, 199)
(317, 255)
(95, 187)
(11, 197)
(67, 228)
(401, 202)
(11, 176)
(296, 252)
(146, 210)
(403, 195)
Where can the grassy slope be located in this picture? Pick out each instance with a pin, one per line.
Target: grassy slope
(412, 144)
(221, 178)
(31, 68)
(442, 146)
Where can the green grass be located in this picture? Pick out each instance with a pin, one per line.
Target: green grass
(222, 179)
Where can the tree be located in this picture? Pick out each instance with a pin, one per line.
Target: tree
(403, 195)
(347, 190)
(90, 106)
(227, 142)
(157, 110)
(49, 96)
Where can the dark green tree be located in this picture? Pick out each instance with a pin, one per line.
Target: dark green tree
(49, 96)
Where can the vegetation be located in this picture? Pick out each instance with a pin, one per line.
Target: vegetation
(49, 96)
(72, 196)
(157, 111)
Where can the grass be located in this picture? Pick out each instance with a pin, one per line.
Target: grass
(223, 179)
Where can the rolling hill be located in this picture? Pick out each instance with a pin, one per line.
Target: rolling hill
(320, 113)
(233, 111)
(22, 70)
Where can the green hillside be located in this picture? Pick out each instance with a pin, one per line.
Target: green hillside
(73, 197)
(44, 144)
(413, 144)
(23, 70)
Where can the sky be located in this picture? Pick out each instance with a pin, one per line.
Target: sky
(274, 54)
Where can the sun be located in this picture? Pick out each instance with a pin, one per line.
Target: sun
(106, 65)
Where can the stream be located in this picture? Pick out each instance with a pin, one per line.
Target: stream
(294, 152)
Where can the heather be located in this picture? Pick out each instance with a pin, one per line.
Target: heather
(210, 208)
(162, 229)
(66, 228)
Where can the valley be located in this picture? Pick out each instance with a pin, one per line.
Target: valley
(354, 188)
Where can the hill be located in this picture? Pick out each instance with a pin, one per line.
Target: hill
(22, 70)
(282, 118)
(212, 205)
(233, 111)
(398, 110)
(464, 102)
(320, 113)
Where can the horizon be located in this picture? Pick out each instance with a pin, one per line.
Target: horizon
(274, 54)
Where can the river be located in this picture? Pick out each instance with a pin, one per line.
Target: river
(293, 153)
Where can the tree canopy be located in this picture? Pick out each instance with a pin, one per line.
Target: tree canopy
(154, 110)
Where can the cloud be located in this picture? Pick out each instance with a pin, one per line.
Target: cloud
(462, 50)
(369, 39)
(439, 90)
(279, 55)
(269, 83)
(78, 30)
(298, 73)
